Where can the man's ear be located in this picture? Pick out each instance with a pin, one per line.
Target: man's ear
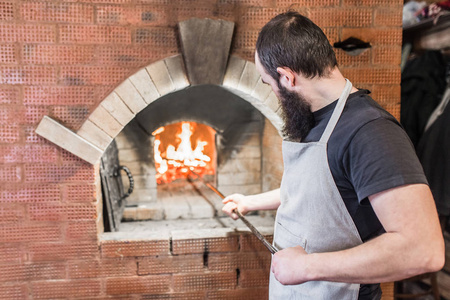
(287, 77)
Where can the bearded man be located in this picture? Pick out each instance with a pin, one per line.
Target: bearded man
(354, 208)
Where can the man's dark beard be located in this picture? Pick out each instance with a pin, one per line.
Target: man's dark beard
(296, 114)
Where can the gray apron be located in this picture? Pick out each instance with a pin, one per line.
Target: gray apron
(312, 213)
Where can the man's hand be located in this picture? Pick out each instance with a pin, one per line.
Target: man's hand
(265, 201)
(232, 202)
(289, 266)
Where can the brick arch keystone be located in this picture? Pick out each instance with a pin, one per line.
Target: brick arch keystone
(142, 88)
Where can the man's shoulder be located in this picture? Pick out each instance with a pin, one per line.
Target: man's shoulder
(361, 109)
(361, 113)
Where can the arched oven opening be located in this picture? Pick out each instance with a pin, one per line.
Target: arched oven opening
(182, 140)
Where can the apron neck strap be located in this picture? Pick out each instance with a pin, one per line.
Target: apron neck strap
(337, 112)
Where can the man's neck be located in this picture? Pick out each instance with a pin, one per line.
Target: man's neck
(320, 92)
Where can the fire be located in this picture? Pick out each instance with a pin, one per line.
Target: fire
(181, 147)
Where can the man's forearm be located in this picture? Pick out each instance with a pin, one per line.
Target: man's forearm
(383, 259)
(264, 201)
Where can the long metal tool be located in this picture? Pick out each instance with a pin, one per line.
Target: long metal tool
(253, 229)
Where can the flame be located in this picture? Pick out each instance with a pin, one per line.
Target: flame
(174, 162)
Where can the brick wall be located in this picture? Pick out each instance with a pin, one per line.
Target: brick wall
(61, 59)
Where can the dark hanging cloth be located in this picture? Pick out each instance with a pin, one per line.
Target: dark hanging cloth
(423, 83)
(433, 151)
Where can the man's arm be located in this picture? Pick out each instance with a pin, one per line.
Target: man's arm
(264, 201)
(413, 244)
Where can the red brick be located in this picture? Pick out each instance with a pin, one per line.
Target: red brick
(57, 12)
(9, 95)
(245, 38)
(103, 1)
(31, 137)
(346, 60)
(12, 115)
(30, 193)
(11, 154)
(13, 291)
(329, 17)
(177, 296)
(240, 294)
(34, 33)
(250, 243)
(332, 34)
(170, 264)
(8, 54)
(186, 12)
(385, 94)
(103, 268)
(10, 174)
(12, 213)
(152, 284)
(134, 248)
(12, 253)
(59, 289)
(33, 271)
(387, 55)
(155, 37)
(254, 278)
(204, 281)
(81, 231)
(240, 260)
(376, 36)
(57, 54)
(133, 55)
(71, 117)
(371, 75)
(33, 114)
(190, 246)
(257, 17)
(383, 3)
(139, 14)
(6, 11)
(27, 75)
(40, 153)
(388, 17)
(67, 157)
(261, 3)
(9, 133)
(94, 34)
(60, 95)
(307, 3)
(79, 193)
(52, 173)
(61, 212)
(61, 251)
(29, 233)
(91, 75)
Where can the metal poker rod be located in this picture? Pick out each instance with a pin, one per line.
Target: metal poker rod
(255, 231)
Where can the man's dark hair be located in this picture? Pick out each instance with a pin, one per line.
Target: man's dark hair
(294, 41)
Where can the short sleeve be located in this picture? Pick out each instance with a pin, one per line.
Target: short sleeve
(379, 157)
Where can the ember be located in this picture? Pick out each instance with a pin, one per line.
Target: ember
(181, 147)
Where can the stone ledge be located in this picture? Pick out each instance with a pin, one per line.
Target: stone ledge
(68, 140)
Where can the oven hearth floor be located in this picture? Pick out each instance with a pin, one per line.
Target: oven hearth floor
(133, 230)
(183, 205)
